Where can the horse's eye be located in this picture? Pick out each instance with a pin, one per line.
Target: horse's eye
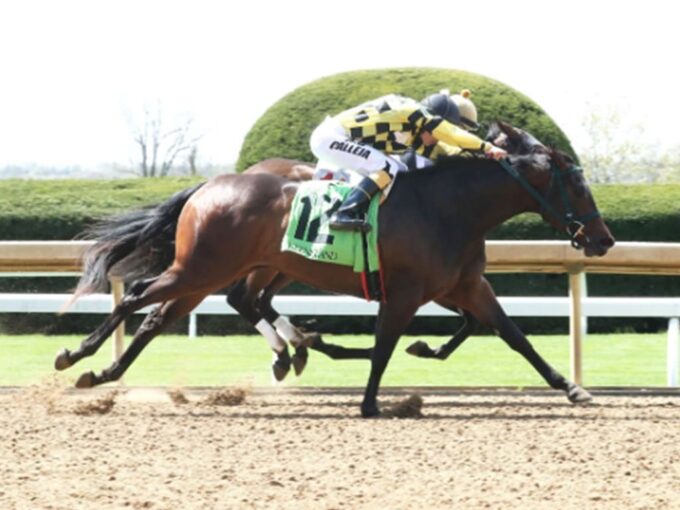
(579, 185)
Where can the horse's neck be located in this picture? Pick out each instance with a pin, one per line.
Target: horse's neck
(486, 197)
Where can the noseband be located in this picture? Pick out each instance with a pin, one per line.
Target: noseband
(573, 224)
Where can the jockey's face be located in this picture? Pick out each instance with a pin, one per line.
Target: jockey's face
(428, 138)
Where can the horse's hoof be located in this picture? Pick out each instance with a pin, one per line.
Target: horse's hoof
(420, 349)
(86, 380)
(371, 411)
(309, 339)
(280, 370)
(62, 361)
(299, 364)
(577, 395)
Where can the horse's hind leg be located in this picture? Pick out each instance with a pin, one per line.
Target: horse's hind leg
(334, 351)
(93, 342)
(483, 304)
(421, 349)
(155, 322)
(163, 288)
(242, 298)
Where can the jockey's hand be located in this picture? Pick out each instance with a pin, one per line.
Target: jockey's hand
(496, 153)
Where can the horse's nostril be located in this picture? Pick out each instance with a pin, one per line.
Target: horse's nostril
(607, 242)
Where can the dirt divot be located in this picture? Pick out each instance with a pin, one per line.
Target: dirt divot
(102, 405)
(178, 397)
(49, 393)
(411, 407)
(226, 397)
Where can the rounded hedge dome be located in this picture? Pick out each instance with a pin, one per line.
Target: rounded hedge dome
(284, 129)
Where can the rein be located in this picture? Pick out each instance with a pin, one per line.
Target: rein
(572, 223)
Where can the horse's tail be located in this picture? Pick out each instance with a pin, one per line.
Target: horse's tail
(132, 245)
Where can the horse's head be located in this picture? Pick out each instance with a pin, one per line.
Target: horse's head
(559, 188)
(513, 140)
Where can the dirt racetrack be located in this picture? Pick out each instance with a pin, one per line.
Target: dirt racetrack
(297, 449)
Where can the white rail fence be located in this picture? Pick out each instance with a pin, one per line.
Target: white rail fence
(62, 258)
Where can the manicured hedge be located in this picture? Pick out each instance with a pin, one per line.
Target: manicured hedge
(59, 209)
(284, 129)
(47, 210)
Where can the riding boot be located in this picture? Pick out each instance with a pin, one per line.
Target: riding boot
(352, 213)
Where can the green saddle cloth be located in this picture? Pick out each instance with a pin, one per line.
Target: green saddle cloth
(309, 234)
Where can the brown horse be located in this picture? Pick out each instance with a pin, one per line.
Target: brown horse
(432, 243)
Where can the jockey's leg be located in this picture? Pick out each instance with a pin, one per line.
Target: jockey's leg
(414, 161)
(330, 142)
(351, 215)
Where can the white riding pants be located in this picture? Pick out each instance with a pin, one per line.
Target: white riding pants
(331, 145)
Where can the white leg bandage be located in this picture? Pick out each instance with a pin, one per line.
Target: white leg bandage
(287, 331)
(269, 333)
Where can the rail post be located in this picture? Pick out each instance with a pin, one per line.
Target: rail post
(193, 325)
(673, 352)
(576, 323)
(117, 291)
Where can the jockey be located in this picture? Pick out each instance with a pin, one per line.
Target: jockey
(366, 137)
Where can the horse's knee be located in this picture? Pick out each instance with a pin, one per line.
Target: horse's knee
(241, 300)
(236, 298)
(263, 304)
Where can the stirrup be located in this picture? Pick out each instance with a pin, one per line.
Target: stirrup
(344, 222)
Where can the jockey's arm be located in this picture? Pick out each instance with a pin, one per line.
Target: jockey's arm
(450, 134)
(444, 149)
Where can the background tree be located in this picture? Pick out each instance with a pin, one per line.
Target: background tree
(618, 150)
(160, 146)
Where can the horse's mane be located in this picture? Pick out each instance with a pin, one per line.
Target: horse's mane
(461, 171)
(459, 167)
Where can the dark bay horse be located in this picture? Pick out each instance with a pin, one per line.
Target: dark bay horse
(252, 296)
(431, 236)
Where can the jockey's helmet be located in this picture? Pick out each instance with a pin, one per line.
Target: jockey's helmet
(466, 109)
(443, 106)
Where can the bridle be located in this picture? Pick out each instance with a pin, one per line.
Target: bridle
(573, 224)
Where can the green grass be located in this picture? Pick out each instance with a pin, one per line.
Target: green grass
(609, 360)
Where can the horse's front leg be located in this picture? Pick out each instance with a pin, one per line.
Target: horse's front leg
(393, 317)
(283, 327)
(242, 298)
(483, 304)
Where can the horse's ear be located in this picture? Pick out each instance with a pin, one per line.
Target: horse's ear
(510, 131)
(492, 132)
(558, 158)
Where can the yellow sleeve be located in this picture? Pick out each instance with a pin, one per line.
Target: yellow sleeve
(452, 135)
(444, 149)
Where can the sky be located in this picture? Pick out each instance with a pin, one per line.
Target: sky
(76, 75)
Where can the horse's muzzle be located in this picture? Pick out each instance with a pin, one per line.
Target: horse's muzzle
(598, 247)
